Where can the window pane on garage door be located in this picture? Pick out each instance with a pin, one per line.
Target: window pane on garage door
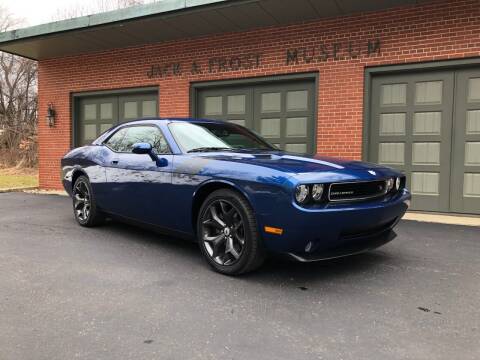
(281, 112)
(139, 106)
(232, 104)
(95, 115)
(465, 194)
(412, 124)
(290, 107)
(410, 130)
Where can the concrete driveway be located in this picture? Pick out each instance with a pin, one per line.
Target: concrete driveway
(117, 292)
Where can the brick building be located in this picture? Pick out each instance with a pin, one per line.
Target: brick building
(395, 82)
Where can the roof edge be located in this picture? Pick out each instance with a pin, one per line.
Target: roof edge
(105, 18)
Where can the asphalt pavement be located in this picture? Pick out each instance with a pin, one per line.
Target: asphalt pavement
(119, 292)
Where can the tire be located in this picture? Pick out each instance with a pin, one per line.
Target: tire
(84, 206)
(237, 250)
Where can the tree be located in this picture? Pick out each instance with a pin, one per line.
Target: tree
(18, 104)
(18, 89)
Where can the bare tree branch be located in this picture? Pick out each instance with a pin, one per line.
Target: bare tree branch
(97, 7)
(18, 88)
(18, 104)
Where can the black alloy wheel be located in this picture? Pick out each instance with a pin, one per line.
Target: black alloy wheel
(84, 206)
(228, 235)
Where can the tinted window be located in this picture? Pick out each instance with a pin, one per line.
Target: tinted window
(138, 134)
(191, 136)
(115, 141)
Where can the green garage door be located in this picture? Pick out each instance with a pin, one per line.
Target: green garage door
(428, 126)
(283, 113)
(97, 114)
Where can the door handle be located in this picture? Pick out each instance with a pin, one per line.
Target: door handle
(114, 162)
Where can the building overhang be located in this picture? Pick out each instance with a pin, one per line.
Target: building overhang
(173, 19)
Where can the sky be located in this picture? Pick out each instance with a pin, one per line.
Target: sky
(36, 12)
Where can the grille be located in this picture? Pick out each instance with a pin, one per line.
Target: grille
(355, 191)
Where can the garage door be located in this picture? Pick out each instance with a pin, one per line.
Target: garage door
(428, 126)
(97, 114)
(281, 112)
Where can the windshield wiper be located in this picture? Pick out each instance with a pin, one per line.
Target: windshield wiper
(254, 149)
(211, 148)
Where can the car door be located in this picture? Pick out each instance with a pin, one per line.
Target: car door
(139, 189)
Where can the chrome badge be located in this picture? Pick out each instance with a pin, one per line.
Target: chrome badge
(372, 172)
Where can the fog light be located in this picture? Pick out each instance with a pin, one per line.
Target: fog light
(317, 192)
(301, 193)
(389, 184)
(308, 247)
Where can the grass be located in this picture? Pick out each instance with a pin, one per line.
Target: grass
(18, 178)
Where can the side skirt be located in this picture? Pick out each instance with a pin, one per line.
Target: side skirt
(152, 227)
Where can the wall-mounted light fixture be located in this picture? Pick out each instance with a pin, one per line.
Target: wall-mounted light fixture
(50, 115)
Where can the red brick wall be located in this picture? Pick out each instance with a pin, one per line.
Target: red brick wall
(436, 31)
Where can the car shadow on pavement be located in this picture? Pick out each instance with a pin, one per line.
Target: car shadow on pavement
(276, 268)
(325, 270)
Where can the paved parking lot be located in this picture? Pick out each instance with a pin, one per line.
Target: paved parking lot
(117, 292)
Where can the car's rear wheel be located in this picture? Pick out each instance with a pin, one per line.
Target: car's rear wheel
(84, 205)
(228, 235)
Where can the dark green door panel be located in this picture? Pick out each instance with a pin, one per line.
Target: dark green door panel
(284, 115)
(465, 194)
(282, 112)
(411, 130)
(96, 114)
(230, 104)
(131, 107)
(428, 126)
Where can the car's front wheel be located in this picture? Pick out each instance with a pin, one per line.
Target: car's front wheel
(84, 205)
(228, 235)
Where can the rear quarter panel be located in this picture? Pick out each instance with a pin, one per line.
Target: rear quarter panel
(89, 160)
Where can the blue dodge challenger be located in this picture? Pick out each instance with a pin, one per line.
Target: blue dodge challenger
(240, 197)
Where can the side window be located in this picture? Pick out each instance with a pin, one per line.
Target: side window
(116, 140)
(145, 134)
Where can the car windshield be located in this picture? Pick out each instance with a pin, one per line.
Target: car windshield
(199, 137)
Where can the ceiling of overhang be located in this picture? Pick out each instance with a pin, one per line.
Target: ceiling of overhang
(192, 21)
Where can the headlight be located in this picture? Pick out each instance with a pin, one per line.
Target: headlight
(301, 193)
(317, 192)
(389, 184)
(397, 183)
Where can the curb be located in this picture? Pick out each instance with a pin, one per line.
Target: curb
(37, 191)
(443, 219)
(19, 189)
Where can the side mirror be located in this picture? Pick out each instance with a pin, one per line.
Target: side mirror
(142, 148)
(161, 162)
(146, 149)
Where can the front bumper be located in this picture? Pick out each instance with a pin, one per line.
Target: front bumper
(335, 231)
(347, 248)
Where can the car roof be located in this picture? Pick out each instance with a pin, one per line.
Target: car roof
(171, 119)
(154, 120)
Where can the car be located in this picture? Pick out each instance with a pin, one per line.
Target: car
(240, 197)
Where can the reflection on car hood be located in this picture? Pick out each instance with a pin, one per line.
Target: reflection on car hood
(291, 163)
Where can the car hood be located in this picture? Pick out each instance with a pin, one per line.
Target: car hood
(304, 166)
